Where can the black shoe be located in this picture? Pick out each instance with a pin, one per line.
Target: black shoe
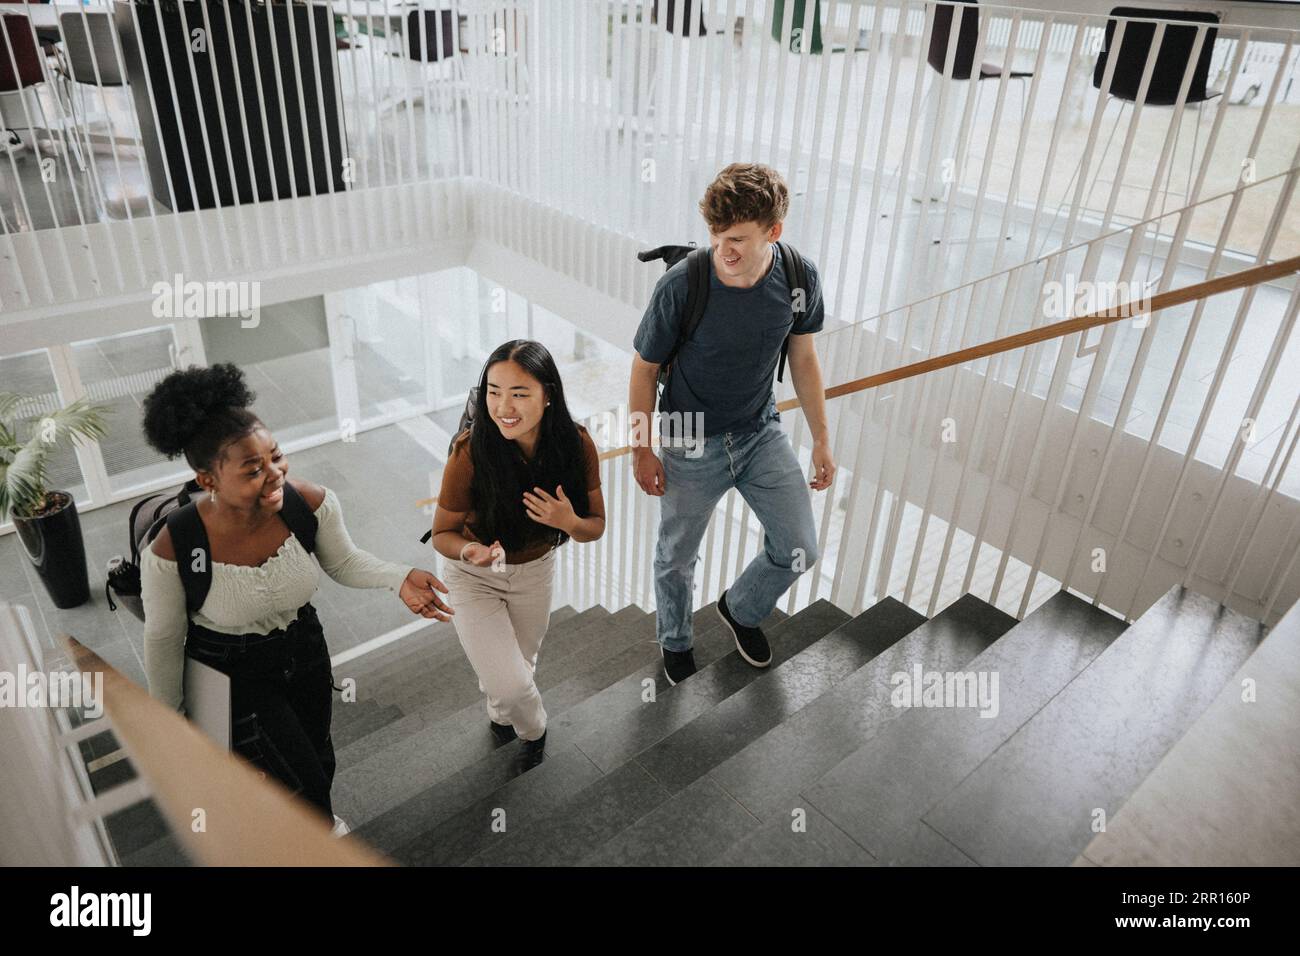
(750, 641)
(531, 753)
(503, 733)
(678, 665)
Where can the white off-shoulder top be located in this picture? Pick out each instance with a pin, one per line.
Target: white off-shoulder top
(245, 599)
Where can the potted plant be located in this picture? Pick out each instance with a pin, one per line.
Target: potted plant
(45, 519)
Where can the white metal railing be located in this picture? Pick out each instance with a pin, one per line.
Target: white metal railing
(862, 136)
(387, 111)
(160, 141)
(992, 478)
(52, 814)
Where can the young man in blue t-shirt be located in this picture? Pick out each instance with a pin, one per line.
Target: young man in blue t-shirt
(722, 379)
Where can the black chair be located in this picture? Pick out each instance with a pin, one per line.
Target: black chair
(1130, 59)
(430, 36)
(1171, 60)
(423, 33)
(21, 67)
(963, 41)
(692, 22)
(967, 38)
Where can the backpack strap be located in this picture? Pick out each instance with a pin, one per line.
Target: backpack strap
(796, 277)
(697, 298)
(135, 511)
(188, 535)
(297, 514)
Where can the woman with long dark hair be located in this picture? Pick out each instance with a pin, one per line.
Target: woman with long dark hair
(520, 481)
(229, 580)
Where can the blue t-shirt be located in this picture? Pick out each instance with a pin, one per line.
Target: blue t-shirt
(725, 370)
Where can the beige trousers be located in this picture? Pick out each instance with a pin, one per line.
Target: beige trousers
(501, 617)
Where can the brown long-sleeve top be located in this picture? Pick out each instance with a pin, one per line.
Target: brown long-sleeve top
(458, 478)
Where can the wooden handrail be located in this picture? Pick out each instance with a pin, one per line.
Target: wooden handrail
(248, 821)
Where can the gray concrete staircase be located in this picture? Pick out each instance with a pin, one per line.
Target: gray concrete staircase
(810, 761)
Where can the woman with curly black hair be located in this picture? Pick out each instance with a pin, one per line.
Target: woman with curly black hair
(519, 483)
(229, 580)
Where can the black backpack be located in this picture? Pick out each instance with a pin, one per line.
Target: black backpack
(466, 417)
(178, 511)
(697, 294)
(466, 420)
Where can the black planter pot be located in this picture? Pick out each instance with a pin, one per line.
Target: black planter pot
(53, 543)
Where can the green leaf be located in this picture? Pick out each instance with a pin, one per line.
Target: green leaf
(24, 479)
(23, 465)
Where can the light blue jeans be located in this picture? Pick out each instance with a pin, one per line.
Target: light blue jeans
(762, 466)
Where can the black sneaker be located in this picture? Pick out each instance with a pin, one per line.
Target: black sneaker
(678, 665)
(531, 753)
(750, 641)
(503, 733)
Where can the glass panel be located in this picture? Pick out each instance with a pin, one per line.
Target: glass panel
(30, 374)
(286, 360)
(389, 349)
(457, 301)
(119, 371)
(387, 344)
(594, 372)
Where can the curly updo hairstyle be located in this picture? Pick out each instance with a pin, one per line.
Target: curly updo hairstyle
(198, 411)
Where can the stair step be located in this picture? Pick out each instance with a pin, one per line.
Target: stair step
(429, 652)
(879, 794)
(99, 745)
(135, 827)
(693, 750)
(550, 673)
(493, 766)
(111, 775)
(1239, 764)
(629, 725)
(421, 647)
(454, 686)
(631, 791)
(409, 691)
(379, 785)
(520, 800)
(414, 646)
(1033, 802)
(409, 686)
(424, 814)
(357, 729)
(767, 776)
(817, 842)
(344, 713)
(659, 839)
(165, 851)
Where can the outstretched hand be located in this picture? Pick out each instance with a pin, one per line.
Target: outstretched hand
(419, 593)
